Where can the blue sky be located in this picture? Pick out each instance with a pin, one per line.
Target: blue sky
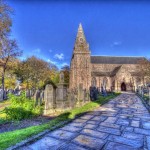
(47, 29)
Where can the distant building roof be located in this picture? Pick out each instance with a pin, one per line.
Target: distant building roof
(115, 60)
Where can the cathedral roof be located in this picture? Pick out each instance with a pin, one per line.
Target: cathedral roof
(115, 60)
(115, 70)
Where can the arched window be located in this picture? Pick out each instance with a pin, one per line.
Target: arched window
(113, 83)
(93, 81)
(105, 81)
(138, 81)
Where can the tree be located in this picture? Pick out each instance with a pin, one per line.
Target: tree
(33, 72)
(8, 47)
(10, 78)
(66, 70)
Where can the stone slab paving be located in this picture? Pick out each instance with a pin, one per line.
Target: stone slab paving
(121, 124)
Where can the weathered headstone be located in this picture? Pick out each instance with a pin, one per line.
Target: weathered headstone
(37, 97)
(49, 98)
(32, 92)
(5, 94)
(28, 93)
(1, 95)
(41, 97)
(61, 93)
(93, 93)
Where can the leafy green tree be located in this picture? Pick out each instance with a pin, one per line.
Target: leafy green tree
(33, 72)
(8, 47)
(66, 70)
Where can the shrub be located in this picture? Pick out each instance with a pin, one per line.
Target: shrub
(17, 113)
(22, 108)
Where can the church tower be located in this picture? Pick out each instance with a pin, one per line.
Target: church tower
(80, 67)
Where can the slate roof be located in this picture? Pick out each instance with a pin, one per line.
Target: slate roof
(115, 70)
(115, 60)
(101, 73)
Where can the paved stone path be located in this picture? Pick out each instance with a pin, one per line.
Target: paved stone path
(121, 124)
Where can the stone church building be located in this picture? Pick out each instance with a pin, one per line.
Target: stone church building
(110, 72)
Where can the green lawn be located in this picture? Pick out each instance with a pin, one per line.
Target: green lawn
(11, 138)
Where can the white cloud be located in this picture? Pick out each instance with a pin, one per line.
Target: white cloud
(59, 56)
(37, 50)
(64, 64)
(60, 65)
(53, 62)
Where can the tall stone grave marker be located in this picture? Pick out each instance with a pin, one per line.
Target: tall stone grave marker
(41, 97)
(50, 99)
(37, 97)
(61, 93)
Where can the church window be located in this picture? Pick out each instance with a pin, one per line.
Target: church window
(93, 81)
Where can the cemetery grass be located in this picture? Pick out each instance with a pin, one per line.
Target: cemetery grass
(8, 139)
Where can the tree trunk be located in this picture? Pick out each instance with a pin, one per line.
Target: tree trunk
(3, 82)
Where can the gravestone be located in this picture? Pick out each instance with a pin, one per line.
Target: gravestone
(37, 97)
(61, 93)
(1, 95)
(28, 93)
(5, 94)
(50, 99)
(41, 97)
(32, 91)
(93, 93)
(92, 96)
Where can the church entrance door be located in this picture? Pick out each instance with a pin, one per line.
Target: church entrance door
(123, 87)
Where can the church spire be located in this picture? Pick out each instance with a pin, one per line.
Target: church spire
(80, 34)
(81, 45)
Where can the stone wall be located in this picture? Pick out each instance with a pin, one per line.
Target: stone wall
(126, 74)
